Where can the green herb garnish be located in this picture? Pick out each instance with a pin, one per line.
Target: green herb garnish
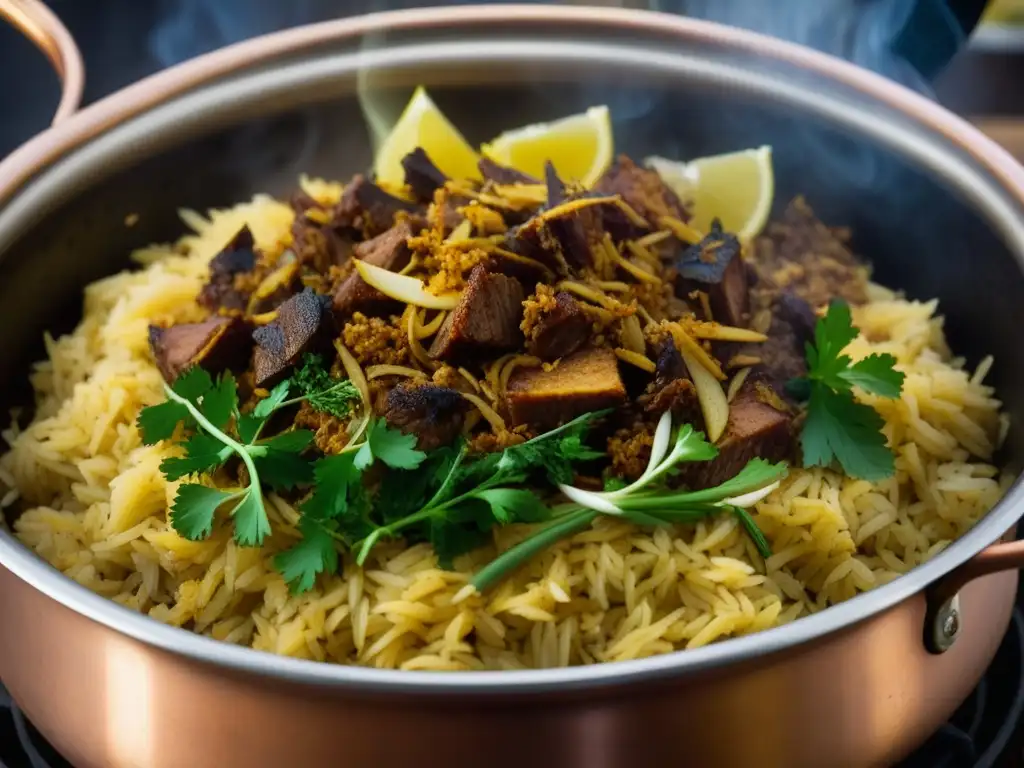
(338, 511)
(837, 427)
(216, 431)
(648, 502)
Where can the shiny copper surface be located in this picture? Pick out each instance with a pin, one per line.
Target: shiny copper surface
(999, 557)
(865, 696)
(39, 24)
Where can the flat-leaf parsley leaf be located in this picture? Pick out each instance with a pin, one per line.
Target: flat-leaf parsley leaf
(838, 428)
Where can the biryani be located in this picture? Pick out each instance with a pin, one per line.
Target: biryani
(500, 422)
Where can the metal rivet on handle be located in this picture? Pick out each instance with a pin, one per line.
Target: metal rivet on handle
(946, 625)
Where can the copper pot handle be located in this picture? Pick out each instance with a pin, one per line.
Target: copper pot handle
(942, 621)
(42, 27)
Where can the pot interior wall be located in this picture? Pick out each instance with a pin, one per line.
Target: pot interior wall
(921, 235)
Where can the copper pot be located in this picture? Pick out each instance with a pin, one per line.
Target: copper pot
(860, 684)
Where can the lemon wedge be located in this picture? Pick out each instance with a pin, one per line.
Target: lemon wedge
(736, 188)
(580, 147)
(422, 124)
(406, 289)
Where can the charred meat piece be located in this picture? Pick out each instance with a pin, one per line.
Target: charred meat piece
(669, 364)
(715, 266)
(585, 381)
(501, 174)
(561, 329)
(486, 318)
(434, 414)
(755, 429)
(216, 344)
(389, 251)
(317, 244)
(237, 257)
(644, 191)
(801, 255)
(575, 231)
(369, 209)
(302, 322)
(782, 356)
(528, 272)
(671, 388)
(421, 175)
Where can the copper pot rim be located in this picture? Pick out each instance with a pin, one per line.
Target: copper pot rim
(41, 151)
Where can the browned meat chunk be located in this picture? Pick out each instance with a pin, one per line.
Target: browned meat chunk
(801, 255)
(317, 244)
(526, 271)
(500, 174)
(562, 243)
(302, 322)
(755, 429)
(389, 251)
(560, 329)
(435, 414)
(486, 319)
(575, 231)
(672, 388)
(421, 175)
(237, 257)
(585, 381)
(644, 191)
(369, 209)
(216, 344)
(715, 266)
(782, 356)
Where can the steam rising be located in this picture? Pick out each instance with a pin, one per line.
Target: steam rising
(896, 38)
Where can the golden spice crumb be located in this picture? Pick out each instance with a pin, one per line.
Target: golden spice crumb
(486, 221)
(375, 341)
(448, 376)
(535, 308)
(450, 264)
(490, 442)
(330, 434)
(630, 450)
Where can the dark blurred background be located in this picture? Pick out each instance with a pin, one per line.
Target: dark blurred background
(913, 41)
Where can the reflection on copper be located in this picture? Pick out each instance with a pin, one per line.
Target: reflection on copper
(127, 703)
(38, 23)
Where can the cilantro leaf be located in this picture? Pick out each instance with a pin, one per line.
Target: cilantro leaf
(404, 491)
(514, 505)
(876, 374)
(193, 384)
(250, 424)
(278, 461)
(193, 510)
(322, 391)
(251, 522)
(158, 422)
(265, 407)
(283, 470)
(392, 446)
(202, 454)
(220, 400)
(315, 553)
(838, 427)
(334, 476)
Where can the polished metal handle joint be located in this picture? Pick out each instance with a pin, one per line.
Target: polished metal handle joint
(42, 27)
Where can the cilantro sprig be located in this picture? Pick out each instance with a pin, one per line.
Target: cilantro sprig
(837, 427)
(648, 502)
(337, 513)
(216, 431)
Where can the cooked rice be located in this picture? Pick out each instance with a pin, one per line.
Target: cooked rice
(97, 508)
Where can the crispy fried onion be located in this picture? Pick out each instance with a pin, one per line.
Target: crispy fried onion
(640, 361)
